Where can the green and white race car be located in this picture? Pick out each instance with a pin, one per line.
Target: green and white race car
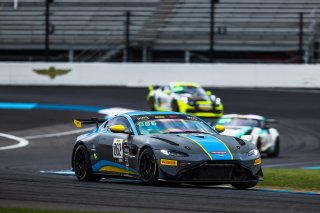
(253, 128)
(185, 97)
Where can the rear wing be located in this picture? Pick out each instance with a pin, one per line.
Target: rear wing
(79, 122)
(153, 87)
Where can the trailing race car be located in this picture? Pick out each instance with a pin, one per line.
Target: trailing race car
(186, 98)
(164, 146)
(253, 128)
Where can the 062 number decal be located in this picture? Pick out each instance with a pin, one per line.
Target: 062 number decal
(117, 148)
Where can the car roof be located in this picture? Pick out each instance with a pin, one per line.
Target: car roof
(248, 116)
(141, 113)
(176, 84)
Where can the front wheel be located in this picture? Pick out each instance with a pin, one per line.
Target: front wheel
(151, 103)
(276, 150)
(245, 185)
(148, 170)
(174, 106)
(82, 165)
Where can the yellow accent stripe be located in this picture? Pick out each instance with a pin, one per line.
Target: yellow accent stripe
(226, 147)
(115, 169)
(200, 146)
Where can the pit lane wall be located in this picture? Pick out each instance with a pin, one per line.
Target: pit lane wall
(144, 74)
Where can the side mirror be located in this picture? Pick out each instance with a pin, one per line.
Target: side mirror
(119, 129)
(219, 128)
(209, 93)
(167, 92)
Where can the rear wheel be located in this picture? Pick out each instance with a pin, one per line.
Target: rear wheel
(82, 165)
(245, 185)
(148, 169)
(174, 106)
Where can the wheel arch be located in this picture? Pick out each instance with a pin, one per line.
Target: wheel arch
(142, 149)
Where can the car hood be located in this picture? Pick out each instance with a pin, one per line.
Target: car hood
(216, 147)
(236, 131)
(194, 98)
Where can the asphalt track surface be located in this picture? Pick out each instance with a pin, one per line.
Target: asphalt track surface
(22, 184)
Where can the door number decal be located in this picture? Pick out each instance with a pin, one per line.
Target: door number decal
(117, 148)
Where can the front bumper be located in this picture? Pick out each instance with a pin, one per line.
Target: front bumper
(215, 172)
(215, 111)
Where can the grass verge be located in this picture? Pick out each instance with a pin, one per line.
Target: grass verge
(297, 179)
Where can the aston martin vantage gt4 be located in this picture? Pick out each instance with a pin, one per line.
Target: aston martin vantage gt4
(164, 146)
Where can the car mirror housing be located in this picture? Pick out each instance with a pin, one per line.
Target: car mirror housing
(219, 128)
(118, 129)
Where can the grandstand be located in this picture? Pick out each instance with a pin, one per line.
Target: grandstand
(160, 30)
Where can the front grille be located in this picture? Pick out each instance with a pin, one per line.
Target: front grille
(217, 172)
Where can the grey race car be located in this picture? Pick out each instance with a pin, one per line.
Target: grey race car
(164, 146)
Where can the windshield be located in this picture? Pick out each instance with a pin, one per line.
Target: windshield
(194, 91)
(170, 124)
(239, 122)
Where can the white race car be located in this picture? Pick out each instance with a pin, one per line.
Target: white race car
(253, 128)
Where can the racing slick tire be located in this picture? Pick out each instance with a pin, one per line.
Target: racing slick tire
(148, 168)
(244, 185)
(82, 165)
(174, 106)
(276, 150)
(151, 104)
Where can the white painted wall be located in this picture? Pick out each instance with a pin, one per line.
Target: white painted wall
(143, 74)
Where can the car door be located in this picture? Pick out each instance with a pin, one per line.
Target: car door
(113, 148)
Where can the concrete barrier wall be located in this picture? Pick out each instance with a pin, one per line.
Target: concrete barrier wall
(139, 75)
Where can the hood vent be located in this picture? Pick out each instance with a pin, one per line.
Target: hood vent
(240, 141)
(165, 140)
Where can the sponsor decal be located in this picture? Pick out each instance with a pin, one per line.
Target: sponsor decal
(52, 72)
(117, 148)
(95, 156)
(191, 118)
(257, 162)
(159, 116)
(167, 162)
(144, 118)
(218, 152)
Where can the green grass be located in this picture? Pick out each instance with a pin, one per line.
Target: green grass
(297, 179)
(25, 210)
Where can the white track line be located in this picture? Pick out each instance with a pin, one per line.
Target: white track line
(22, 142)
(58, 134)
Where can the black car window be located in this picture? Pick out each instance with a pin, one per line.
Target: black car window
(119, 121)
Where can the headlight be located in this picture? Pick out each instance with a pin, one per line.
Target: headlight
(173, 153)
(253, 152)
(184, 99)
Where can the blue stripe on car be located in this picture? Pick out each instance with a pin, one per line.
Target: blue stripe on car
(96, 167)
(213, 146)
